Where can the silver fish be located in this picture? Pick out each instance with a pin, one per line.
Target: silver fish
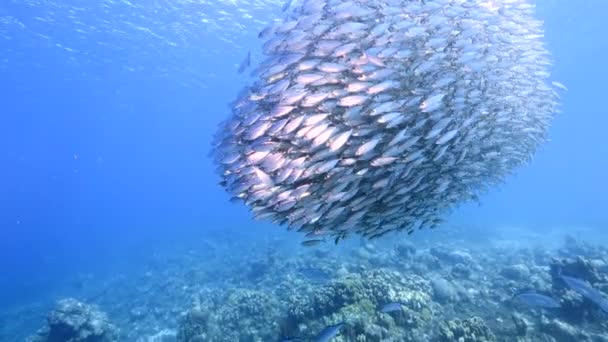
(329, 333)
(245, 63)
(391, 307)
(422, 114)
(536, 299)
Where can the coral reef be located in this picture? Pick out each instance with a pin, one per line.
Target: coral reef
(575, 308)
(244, 315)
(165, 335)
(193, 326)
(355, 299)
(446, 290)
(73, 321)
(467, 330)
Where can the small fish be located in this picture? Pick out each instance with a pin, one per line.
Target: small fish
(357, 86)
(291, 339)
(339, 140)
(266, 32)
(353, 100)
(329, 332)
(245, 63)
(367, 147)
(532, 298)
(280, 111)
(311, 243)
(286, 5)
(391, 307)
(263, 177)
(308, 78)
(559, 86)
(380, 87)
(432, 103)
(358, 122)
(449, 135)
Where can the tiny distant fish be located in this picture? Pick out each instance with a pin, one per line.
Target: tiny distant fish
(559, 86)
(391, 307)
(245, 63)
(286, 5)
(532, 298)
(292, 338)
(266, 32)
(584, 289)
(432, 103)
(311, 243)
(329, 332)
(447, 136)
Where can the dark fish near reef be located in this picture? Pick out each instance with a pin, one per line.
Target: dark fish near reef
(245, 63)
(532, 298)
(329, 332)
(291, 339)
(587, 291)
(391, 307)
(379, 116)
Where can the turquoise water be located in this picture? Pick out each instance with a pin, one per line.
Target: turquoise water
(108, 111)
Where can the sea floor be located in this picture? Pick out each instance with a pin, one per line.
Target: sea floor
(453, 284)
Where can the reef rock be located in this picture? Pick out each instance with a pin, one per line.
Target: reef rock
(516, 272)
(356, 299)
(165, 335)
(243, 315)
(193, 326)
(73, 321)
(563, 331)
(452, 256)
(575, 308)
(468, 330)
(443, 290)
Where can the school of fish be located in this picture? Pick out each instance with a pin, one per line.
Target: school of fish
(368, 117)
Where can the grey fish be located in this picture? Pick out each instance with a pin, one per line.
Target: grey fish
(586, 291)
(329, 333)
(391, 307)
(311, 243)
(367, 147)
(532, 298)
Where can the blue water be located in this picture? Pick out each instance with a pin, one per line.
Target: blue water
(102, 165)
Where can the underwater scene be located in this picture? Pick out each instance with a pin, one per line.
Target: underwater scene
(303, 170)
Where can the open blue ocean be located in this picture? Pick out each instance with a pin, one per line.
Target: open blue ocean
(127, 207)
